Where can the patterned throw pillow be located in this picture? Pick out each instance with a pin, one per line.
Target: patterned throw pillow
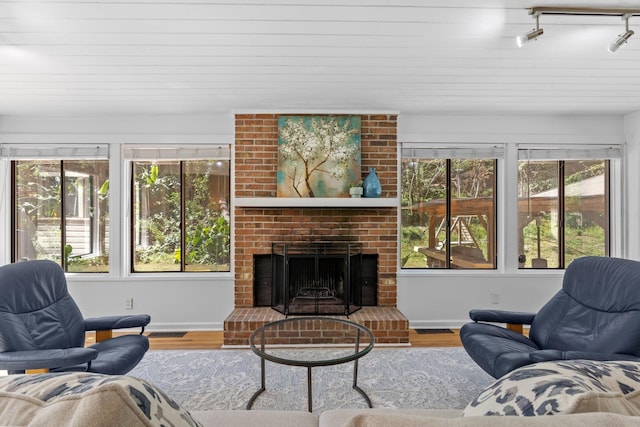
(571, 386)
(86, 399)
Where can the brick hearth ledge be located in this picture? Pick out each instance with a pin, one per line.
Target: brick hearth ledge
(388, 324)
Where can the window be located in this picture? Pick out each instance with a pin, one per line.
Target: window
(179, 209)
(563, 205)
(60, 208)
(449, 208)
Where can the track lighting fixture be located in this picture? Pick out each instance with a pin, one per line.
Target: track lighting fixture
(622, 39)
(531, 35)
(581, 11)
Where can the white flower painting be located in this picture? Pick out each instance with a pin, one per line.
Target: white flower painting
(318, 156)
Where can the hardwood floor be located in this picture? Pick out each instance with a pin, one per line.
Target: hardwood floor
(439, 339)
(209, 340)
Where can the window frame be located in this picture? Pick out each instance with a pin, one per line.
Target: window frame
(507, 203)
(447, 153)
(612, 155)
(131, 153)
(12, 153)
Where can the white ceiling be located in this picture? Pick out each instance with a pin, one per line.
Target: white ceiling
(405, 56)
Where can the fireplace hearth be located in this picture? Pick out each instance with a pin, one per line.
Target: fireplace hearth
(316, 278)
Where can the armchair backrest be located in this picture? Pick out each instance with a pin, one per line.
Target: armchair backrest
(36, 310)
(597, 309)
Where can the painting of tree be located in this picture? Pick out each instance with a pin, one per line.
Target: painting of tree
(318, 156)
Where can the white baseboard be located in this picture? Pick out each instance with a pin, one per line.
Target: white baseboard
(439, 324)
(179, 327)
(219, 326)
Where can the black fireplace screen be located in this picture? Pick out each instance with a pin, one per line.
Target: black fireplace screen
(316, 278)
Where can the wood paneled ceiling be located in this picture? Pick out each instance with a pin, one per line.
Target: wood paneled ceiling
(405, 56)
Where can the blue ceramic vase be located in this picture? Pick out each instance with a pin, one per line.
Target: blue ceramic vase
(371, 185)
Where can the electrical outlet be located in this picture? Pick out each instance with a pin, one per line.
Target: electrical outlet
(128, 304)
(495, 298)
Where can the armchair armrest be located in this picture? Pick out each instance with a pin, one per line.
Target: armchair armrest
(46, 359)
(502, 316)
(104, 326)
(549, 355)
(116, 322)
(513, 319)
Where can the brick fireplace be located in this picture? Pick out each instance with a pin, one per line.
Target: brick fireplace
(258, 226)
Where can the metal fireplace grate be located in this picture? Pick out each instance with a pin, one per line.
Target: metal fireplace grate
(317, 278)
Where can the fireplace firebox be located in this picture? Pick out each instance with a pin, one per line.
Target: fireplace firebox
(316, 278)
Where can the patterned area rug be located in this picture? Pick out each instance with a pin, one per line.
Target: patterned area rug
(393, 378)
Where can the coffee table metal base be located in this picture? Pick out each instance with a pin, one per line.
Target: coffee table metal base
(262, 341)
(309, 386)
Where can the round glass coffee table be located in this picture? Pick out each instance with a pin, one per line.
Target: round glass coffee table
(276, 342)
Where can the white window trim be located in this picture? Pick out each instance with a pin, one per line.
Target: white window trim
(127, 154)
(119, 197)
(507, 225)
(496, 151)
(11, 152)
(615, 154)
(57, 152)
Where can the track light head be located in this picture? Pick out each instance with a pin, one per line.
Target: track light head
(622, 39)
(531, 35)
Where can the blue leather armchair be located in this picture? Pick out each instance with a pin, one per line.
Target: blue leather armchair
(42, 329)
(595, 316)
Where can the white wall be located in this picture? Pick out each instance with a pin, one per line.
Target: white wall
(175, 303)
(632, 178)
(428, 298)
(154, 129)
(431, 298)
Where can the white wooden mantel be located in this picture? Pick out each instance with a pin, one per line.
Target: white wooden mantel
(316, 202)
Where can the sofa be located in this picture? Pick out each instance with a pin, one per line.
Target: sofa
(560, 393)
